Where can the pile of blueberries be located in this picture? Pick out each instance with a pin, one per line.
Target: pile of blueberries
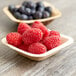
(30, 10)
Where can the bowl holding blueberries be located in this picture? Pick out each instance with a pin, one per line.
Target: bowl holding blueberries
(30, 11)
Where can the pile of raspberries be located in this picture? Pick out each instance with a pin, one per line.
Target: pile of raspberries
(35, 39)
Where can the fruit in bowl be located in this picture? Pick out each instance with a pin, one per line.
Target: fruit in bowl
(43, 11)
(35, 39)
(30, 10)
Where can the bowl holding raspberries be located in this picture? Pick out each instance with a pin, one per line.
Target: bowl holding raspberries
(36, 41)
(28, 12)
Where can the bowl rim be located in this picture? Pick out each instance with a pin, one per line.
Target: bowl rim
(68, 42)
(9, 14)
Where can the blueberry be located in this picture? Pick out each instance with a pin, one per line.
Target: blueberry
(24, 17)
(41, 9)
(46, 14)
(33, 11)
(27, 11)
(38, 15)
(39, 4)
(11, 8)
(15, 9)
(24, 3)
(30, 18)
(31, 5)
(49, 9)
(17, 15)
(21, 9)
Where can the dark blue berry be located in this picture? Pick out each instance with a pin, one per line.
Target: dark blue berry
(15, 9)
(49, 9)
(21, 9)
(24, 3)
(11, 8)
(27, 11)
(38, 15)
(46, 14)
(17, 15)
(33, 11)
(39, 4)
(31, 5)
(24, 17)
(30, 18)
(41, 9)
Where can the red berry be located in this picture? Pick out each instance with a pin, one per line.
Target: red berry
(37, 48)
(41, 26)
(23, 47)
(40, 41)
(51, 42)
(54, 33)
(14, 38)
(32, 35)
(23, 27)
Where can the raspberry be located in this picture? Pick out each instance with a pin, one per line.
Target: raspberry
(23, 27)
(54, 33)
(14, 38)
(40, 25)
(41, 41)
(23, 47)
(51, 42)
(32, 35)
(37, 48)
